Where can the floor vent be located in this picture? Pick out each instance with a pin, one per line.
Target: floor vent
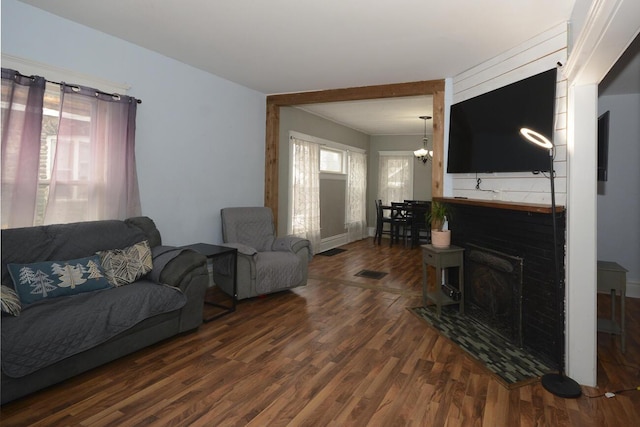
(370, 274)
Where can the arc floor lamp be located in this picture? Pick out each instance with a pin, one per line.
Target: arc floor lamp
(558, 384)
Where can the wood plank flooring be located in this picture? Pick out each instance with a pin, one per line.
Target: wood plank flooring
(342, 351)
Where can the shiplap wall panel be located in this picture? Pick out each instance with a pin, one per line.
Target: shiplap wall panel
(504, 76)
(537, 55)
(551, 33)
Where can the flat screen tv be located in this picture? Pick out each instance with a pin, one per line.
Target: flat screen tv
(603, 145)
(484, 132)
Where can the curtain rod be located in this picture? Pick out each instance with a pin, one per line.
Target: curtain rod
(307, 140)
(139, 101)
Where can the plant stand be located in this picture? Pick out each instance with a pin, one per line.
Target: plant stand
(442, 258)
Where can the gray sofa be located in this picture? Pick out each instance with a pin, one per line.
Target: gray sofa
(28, 367)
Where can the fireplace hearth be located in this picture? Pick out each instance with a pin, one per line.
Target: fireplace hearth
(493, 291)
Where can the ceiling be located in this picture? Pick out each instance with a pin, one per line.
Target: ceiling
(284, 46)
(389, 116)
(624, 76)
(400, 116)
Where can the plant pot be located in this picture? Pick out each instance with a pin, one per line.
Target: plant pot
(441, 239)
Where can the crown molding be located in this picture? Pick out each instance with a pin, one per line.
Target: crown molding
(610, 27)
(58, 74)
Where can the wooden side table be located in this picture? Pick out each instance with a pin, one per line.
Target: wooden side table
(442, 258)
(613, 278)
(213, 252)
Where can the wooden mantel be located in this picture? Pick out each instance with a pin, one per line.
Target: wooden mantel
(499, 204)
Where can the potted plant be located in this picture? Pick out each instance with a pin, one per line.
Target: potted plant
(439, 218)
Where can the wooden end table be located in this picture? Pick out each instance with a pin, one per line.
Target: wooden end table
(442, 258)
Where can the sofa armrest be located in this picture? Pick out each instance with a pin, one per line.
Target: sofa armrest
(291, 244)
(242, 248)
(171, 264)
(187, 270)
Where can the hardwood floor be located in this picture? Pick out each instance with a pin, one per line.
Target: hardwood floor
(342, 351)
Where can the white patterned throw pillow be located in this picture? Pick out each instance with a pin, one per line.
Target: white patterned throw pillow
(125, 266)
(9, 301)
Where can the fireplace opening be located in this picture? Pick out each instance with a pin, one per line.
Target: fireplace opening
(493, 290)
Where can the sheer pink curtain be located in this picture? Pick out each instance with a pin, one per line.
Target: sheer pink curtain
(22, 99)
(94, 170)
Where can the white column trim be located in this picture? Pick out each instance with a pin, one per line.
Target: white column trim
(610, 26)
(580, 289)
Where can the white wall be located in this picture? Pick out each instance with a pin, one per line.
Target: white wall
(532, 57)
(199, 138)
(618, 201)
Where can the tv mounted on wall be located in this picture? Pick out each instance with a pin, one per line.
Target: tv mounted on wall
(603, 145)
(484, 132)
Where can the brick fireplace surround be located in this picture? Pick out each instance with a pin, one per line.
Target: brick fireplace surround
(525, 231)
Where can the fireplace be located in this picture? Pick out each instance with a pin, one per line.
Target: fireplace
(523, 231)
(493, 290)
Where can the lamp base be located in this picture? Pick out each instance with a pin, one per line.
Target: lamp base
(561, 385)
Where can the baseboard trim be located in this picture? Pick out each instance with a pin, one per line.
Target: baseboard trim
(333, 242)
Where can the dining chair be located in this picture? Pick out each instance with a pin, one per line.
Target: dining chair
(381, 220)
(420, 228)
(400, 221)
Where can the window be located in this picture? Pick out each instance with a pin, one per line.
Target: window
(73, 146)
(331, 161)
(395, 180)
(343, 205)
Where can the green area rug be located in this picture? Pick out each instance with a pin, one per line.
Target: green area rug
(512, 366)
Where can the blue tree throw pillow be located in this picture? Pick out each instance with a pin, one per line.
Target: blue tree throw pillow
(50, 279)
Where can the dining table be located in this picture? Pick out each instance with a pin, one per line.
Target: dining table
(409, 221)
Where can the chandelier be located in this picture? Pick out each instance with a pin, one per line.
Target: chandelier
(423, 154)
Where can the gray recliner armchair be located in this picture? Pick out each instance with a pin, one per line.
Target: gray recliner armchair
(266, 263)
